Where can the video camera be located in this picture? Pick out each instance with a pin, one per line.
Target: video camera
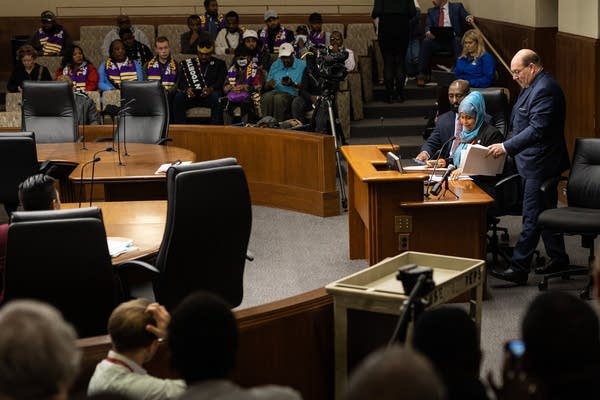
(330, 66)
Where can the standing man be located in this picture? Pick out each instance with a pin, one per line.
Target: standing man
(537, 144)
(444, 14)
(447, 126)
(282, 84)
(51, 39)
(200, 84)
(392, 34)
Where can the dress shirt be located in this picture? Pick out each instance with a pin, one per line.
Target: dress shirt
(123, 376)
(446, 9)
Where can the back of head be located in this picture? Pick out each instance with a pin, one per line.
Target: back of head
(39, 358)
(203, 338)
(38, 192)
(561, 338)
(394, 373)
(448, 338)
(127, 326)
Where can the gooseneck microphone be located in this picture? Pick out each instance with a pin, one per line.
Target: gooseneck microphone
(84, 119)
(438, 185)
(437, 161)
(96, 158)
(124, 108)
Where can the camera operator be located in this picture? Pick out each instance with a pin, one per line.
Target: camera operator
(337, 45)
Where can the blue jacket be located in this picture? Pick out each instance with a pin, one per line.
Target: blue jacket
(458, 17)
(278, 71)
(479, 73)
(537, 139)
(105, 84)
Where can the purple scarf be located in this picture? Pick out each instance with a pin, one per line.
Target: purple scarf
(116, 75)
(317, 38)
(51, 44)
(168, 76)
(280, 38)
(79, 75)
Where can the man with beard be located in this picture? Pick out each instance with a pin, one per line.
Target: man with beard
(249, 45)
(230, 37)
(447, 125)
(200, 84)
(211, 21)
(51, 39)
(274, 34)
(282, 84)
(135, 50)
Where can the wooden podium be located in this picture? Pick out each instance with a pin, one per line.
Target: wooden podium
(389, 214)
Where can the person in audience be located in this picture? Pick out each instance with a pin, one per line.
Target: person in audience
(203, 340)
(414, 43)
(26, 70)
(211, 21)
(40, 358)
(392, 34)
(394, 373)
(135, 50)
(242, 88)
(316, 35)
(118, 68)
(311, 90)
(250, 45)
(337, 45)
(456, 354)
(562, 352)
(273, 35)
(200, 84)
(282, 84)
(444, 14)
(301, 41)
(123, 22)
(51, 39)
(229, 38)
(87, 112)
(136, 328)
(475, 64)
(79, 69)
(162, 67)
(447, 125)
(190, 39)
(537, 144)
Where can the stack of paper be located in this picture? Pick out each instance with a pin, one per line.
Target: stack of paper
(118, 246)
(475, 161)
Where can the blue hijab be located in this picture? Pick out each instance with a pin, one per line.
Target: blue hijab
(474, 106)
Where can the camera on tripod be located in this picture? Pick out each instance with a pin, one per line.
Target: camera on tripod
(331, 66)
(410, 273)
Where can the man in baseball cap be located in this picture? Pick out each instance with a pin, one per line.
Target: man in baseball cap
(50, 39)
(274, 34)
(282, 84)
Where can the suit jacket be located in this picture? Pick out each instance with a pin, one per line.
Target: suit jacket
(537, 140)
(458, 18)
(443, 132)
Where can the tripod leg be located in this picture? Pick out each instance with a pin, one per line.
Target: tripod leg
(337, 155)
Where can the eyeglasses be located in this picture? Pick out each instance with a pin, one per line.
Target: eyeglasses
(517, 72)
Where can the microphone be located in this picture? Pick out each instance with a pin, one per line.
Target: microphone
(124, 108)
(439, 155)
(84, 121)
(94, 161)
(438, 185)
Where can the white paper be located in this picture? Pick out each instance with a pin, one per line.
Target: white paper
(118, 246)
(164, 167)
(477, 162)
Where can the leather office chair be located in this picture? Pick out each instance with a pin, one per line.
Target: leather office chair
(18, 160)
(49, 111)
(582, 214)
(209, 218)
(146, 118)
(61, 257)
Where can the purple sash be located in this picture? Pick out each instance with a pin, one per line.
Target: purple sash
(117, 75)
(51, 44)
(280, 38)
(168, 76)
(79, 75)
(317, 38)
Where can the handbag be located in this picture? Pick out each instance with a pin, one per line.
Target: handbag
(237, 97)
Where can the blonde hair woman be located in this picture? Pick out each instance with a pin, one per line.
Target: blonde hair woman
(475, 64)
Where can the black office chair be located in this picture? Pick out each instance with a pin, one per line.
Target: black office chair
(582, 214)
(496, 105)
(145, 113)
(49, 111)
(61, 257)
(18, 160)
(209, 218)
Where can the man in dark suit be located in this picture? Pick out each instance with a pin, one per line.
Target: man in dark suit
(447, 125)
(537, 144)
(444, 14)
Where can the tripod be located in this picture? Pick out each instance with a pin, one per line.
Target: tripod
(329, 98)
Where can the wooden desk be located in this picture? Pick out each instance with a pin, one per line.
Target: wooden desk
(387, 213)
(135, 180)
(141, 221)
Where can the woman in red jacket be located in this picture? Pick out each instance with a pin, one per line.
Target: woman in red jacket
(83, 73)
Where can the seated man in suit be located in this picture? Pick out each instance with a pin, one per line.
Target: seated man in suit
(447, 125)
(444, 14)
(135, 327)
(200, 84)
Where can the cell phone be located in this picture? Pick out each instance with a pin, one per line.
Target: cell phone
(516, 348)
(285, 79)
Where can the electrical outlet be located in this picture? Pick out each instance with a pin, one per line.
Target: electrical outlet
(402, 223)
(403, 241)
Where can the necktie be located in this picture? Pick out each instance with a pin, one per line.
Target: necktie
(457, 130)
(441, 18)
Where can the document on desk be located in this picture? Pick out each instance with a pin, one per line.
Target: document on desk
(164, 167)
(119, 245)
(477, 162)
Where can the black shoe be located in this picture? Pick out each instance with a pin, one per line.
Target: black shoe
(552, 266)
(518, 277)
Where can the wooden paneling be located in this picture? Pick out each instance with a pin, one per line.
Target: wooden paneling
(578, 73)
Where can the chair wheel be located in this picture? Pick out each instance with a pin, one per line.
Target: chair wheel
(543, 285)
(504, 237)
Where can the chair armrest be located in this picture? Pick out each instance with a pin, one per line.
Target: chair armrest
(505, 181)
(164, 140)
(45, 166)
(547, 185)
(136, 271)
(249, 255)
(508, 195)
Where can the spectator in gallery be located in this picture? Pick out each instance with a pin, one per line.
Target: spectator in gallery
(123, 22)
(250, 45)
(211, 21)
(26, 70)
(242, 88)
(475, 64)
(135, 50)
(316, 34)
(273, 35)
(118, 68)
(51, 39)
(79, 69)
(229, 38)
(189, 40)
(87, 112)
(162, 67)
(301, 41)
